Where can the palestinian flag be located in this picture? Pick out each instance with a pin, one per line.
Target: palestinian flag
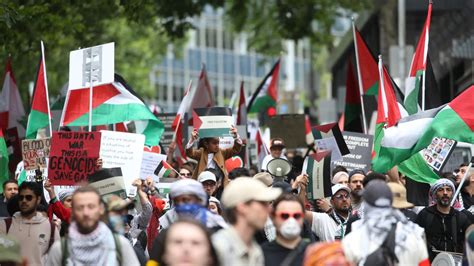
(163, 169)
(40, 115)
(367, 70)
(179, 120)
(262, 149)
(329, 137)
(112, 103)
(413, 83)
(11, 106)
(417, 169)
(4, 174)
(413, 133)
(213, 122)
(242, 110)
(353, 111)
(318, 169)
(202, 96)
(266, 96)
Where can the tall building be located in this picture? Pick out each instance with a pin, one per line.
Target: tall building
(228, 61)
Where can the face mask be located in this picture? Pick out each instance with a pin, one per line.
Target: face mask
(290, 229)
(193, 211)
(117, 223)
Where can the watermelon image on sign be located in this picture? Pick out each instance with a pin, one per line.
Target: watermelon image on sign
(233, 162)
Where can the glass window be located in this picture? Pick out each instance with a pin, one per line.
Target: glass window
(211, 38)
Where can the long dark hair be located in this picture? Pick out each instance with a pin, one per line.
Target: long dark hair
(159, 245)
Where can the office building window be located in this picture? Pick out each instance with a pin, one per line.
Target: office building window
(211, 38)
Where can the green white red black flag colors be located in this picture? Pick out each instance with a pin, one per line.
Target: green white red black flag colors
(40, 115)
(11, 107)
(4, 159)
(318, 169)
(163, 169)
(266, 96)
(352, 120)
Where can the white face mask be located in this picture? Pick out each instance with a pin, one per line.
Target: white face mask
(290, 229)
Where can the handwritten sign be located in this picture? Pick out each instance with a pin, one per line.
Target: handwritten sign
(124, 150)
(149, 162)
(73, 157)
(35, 152)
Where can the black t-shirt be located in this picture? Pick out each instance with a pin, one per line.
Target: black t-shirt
(275, 254)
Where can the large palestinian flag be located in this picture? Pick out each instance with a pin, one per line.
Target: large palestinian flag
(40, 115)
(418, 68)
(112, 103)
(367, 70)
(353, 109)
(266, 96)
(11, 107)
(413, 133)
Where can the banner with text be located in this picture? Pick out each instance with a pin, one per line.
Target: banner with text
(73, 157)
(213, 122)
(35, 152)
(360, 147)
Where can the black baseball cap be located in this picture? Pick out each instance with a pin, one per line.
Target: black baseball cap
(378, 194)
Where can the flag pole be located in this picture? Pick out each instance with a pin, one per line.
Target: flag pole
(384, 97)
(425, 55)
(43, 61)
(458, 190)
(91, 87)
(359, 78)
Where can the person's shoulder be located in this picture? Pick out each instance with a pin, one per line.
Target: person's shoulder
(55, 253)
(268, 246)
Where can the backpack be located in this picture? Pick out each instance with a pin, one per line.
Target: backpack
(8, 224)
(65, 251)
(385, 254)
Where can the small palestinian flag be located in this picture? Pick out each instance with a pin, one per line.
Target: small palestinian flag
(318, 169)
(163, 169)
(329, 137)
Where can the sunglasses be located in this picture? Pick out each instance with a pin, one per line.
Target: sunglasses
(27, 197)
(340, 196)
(287, 215)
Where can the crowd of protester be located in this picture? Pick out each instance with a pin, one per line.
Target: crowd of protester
(244, 217)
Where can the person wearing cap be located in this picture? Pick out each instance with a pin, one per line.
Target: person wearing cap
(246, 207)
(208, 181)
(90, 241)
(209, 155)
(215, 206)
(400, 202)
(189, 200)
(276, 151)
(445, 226)
(340, 177)
(332, 225)
(356, 179)
(384, 236)
(10, 253)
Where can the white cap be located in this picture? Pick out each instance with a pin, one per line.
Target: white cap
(337, 187)
(206, 176)
(244, 189)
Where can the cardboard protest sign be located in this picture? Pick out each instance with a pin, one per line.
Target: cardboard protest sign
(329, 137)
(289, 127)
(124, 150)
(14, 148)
(98, 59)
(438, 152)
(241, 159)
(149, 162)
(109, 181)
(73, 156)
(213, 122)
(360, 147)
(318, 169)
(35, 152)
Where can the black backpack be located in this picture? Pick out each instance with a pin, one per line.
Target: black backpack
(385, 254)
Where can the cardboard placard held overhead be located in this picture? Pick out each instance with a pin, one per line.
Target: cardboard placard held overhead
(360, 147)
(329, 137)
(124, 150)
(318, 169)
(149, 162)
(213, 122)
(73, 157)
(98, 59)
(109, 181)
(289, 127)
(35, 152)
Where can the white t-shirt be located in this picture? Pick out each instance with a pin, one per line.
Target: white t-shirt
(325, 227)
(267, 159)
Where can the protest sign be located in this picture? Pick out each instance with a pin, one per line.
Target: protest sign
(98, 59)
(149, 162)
(437, 153)
(167, 120)
(73, 156)
(360, 147)
(13, 146)
(35, 152)
(109, 181)
(289, 127)
(213, 122)
(329, 137)
(124, 150)
(318, 169)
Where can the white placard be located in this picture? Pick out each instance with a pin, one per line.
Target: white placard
(99, 59)
(329, 144)
(150, 161)
(124, 150)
